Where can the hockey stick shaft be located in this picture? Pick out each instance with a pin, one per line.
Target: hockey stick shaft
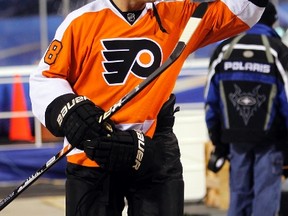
(185, 37)
(30, 180)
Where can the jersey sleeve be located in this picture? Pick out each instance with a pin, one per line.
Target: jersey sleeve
(52, 78)
(224, 19)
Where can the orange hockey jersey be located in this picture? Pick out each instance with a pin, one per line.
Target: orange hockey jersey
(97, 53)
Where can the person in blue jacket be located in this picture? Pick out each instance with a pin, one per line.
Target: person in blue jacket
(246, 104)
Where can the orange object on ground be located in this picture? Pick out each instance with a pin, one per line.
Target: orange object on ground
(20, 129)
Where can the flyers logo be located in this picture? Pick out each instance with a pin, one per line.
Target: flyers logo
(139, 57)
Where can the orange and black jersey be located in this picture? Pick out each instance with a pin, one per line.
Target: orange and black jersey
(96, 52)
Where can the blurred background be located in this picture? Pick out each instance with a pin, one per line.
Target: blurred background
(26, 29)
(27, 26)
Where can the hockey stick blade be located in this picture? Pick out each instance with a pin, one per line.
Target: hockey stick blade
(187, 33)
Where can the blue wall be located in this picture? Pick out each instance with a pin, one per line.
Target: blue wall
(22, 36)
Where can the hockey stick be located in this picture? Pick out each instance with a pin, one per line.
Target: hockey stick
(186, 35)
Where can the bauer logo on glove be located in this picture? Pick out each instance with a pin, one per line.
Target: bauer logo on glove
(68, 107)
(140, 152)
(121, 150)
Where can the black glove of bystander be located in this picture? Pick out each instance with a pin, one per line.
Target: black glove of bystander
(123, 150)
(75, 117)
(218, 157)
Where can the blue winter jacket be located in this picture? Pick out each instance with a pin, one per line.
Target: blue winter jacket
(246, 96)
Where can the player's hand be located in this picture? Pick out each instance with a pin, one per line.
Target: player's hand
(123, 150)
(76, 118)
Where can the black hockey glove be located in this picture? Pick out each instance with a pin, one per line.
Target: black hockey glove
(75, 117)
(123, 150)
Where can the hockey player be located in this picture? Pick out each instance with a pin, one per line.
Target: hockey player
(247, 114)
(101, 52)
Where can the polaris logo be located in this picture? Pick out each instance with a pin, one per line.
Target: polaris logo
(140, 151)
(69, 106)
(247, 66)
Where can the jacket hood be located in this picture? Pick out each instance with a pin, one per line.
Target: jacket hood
(260, 28)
